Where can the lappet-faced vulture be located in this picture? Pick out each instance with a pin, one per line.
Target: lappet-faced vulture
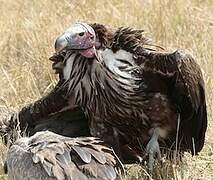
(134, 97)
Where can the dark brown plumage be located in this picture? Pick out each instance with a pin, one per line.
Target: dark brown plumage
(46, 155)
(134, 97)
(177, 77)
(52, 112)
(139, 94)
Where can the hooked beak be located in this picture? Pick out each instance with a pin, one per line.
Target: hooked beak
(60, 44)
(70, 42)
(80, 37)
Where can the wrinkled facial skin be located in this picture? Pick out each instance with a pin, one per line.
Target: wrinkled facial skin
(80, 37)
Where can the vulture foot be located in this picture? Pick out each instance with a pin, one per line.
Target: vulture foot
(153, 149)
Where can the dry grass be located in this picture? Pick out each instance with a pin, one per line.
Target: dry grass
(29, 27)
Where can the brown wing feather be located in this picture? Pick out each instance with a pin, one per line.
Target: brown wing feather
(51, 103)
(186, 89)
(67, 122)
(174, 74)
(59, 157)
(70, 122)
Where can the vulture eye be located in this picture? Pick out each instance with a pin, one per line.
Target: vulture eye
(81, 34)
(92, 37)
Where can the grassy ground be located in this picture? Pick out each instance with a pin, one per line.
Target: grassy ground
(29, 28)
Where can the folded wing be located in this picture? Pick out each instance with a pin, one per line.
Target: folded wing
(47, 155)
(185, 87)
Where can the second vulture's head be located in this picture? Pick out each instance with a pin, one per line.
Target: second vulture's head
(79, 37)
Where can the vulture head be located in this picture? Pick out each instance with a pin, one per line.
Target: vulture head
(79, 37)
(82, 38)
